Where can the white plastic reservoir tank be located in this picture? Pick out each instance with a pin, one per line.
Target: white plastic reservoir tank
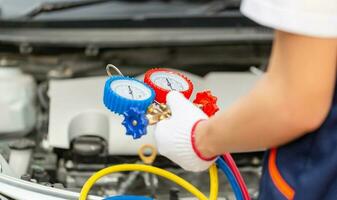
(17, 100)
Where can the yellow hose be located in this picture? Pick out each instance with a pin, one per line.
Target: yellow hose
(160, 172)
(214, 182)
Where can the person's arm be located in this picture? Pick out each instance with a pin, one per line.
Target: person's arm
(291, 99)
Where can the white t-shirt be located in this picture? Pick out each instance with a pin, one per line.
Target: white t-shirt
(306, 17)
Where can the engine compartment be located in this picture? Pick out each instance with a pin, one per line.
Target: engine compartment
(74, 135)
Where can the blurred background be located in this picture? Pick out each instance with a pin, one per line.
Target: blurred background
(53, 55)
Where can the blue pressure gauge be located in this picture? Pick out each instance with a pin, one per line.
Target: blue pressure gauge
(131, 98)
(121, 93)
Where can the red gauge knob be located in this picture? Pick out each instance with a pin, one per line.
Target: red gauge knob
(163, 81)
(207, 102)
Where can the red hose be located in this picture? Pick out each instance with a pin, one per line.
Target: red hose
(230, 162)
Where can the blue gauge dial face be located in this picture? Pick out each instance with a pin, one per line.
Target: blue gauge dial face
(169, 81)
(130, 89)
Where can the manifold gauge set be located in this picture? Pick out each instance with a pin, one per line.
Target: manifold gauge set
(142, 103)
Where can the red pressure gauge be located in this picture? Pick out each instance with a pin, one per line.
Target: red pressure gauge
(163, 81)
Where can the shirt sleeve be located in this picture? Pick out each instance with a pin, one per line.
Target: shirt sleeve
(306, 17)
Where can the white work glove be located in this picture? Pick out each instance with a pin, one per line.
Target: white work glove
(174, 135)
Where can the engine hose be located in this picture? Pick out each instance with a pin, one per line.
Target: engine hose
(231, 178)
(160, 172)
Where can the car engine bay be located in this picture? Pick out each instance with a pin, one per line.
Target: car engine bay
(55, 131)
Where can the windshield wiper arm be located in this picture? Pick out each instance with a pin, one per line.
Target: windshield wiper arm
(57, 6)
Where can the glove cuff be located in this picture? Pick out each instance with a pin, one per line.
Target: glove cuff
(195, 149)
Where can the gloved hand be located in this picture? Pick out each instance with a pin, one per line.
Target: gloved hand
(174, 136)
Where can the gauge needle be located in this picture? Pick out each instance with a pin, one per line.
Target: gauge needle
(130, 92)
(169, 83)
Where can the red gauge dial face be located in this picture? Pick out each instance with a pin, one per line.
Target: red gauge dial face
(163, 81)
(169, 81)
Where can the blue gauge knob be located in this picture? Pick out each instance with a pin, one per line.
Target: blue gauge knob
(135, 122)
(121, 93)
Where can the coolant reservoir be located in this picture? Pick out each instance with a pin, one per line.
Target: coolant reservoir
(17, 100)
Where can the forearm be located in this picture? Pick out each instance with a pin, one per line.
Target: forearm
(292, 98)
(254, 122)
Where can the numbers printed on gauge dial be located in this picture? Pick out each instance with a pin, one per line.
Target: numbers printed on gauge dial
(162, 81)
(169, 81)
(129, 89)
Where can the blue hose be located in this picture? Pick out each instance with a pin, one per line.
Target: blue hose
(124, 197)
(231, 178)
